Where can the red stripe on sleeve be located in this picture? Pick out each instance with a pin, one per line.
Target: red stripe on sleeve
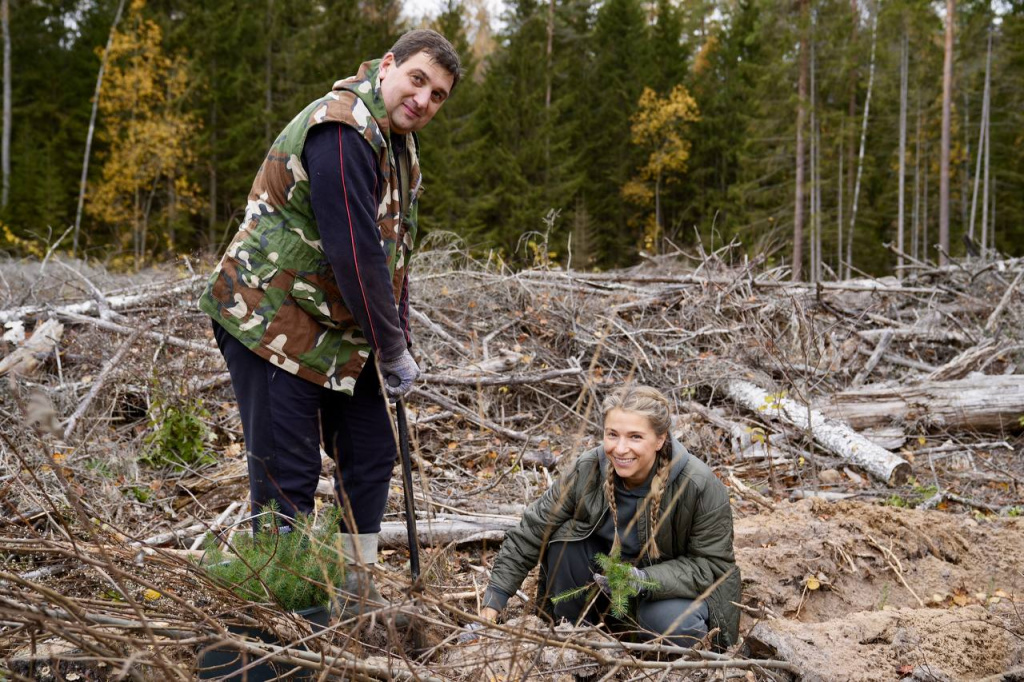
(352, 238)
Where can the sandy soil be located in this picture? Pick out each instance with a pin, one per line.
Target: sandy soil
(867, 592)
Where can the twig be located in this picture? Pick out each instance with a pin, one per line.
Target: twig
(471, 417)
(97, 386)
(894, 563)
(169, 339)
(990, 325)
(498, 380)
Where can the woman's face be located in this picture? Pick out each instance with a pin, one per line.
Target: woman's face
(631, 445)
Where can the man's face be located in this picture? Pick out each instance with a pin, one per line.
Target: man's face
(414, 91)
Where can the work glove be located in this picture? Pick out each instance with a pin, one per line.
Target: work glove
(638, 579)
(470, 633)
(399, 374)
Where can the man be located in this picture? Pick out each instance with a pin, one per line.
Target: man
(312, 295)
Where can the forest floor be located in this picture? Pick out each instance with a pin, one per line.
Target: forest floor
(852, 569)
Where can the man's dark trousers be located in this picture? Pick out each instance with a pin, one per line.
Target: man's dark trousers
(284, 419)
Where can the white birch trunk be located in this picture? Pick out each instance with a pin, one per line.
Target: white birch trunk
(798, 202)
(924, 217)
(915, 228)
(814, 167)
(987, 125)
(834, 436)
(982, 135)
(839, 212)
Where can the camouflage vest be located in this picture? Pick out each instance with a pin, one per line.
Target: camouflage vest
(274, 290)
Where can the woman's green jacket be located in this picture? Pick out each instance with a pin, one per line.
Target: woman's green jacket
(694, 537)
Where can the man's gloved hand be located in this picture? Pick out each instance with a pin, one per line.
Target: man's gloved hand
(638, 580)
(399, 374)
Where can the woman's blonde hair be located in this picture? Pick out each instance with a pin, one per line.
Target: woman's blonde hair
(652, 404)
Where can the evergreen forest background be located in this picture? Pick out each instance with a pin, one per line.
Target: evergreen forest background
(587, 132)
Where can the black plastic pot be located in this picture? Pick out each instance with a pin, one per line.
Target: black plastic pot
(226, 664)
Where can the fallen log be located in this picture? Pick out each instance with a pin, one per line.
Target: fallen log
(978, 402)
(834, 436)
(446, 529)
(119, 302)
(27, 357)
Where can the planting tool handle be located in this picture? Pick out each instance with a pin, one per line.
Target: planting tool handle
(410, 508)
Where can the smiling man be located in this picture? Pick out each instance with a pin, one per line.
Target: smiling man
(312, 294)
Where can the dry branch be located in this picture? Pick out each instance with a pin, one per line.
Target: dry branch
(98, 385)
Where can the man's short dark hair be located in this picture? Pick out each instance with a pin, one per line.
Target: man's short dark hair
(435, 45)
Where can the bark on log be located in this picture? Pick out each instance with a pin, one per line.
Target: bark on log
(27, 358)
(978, 402)
(446, 529)
(836, 437)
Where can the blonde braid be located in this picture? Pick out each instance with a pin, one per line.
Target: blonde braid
(609, 494)
(652, 503)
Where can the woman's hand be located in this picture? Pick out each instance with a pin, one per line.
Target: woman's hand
(470, 633)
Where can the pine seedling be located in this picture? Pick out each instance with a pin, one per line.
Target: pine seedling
(621, 582)
(296, 570)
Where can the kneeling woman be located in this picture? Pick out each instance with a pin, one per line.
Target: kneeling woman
(643, 496)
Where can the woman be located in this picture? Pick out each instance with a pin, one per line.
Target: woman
(643, 496)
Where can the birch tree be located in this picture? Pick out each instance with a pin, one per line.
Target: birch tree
(148, 134)
(92, 127)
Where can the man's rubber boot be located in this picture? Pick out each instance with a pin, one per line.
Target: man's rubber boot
(358, 595)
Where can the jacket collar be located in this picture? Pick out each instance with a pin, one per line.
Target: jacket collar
(366, 86)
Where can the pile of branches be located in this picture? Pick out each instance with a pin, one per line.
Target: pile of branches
(784, 388)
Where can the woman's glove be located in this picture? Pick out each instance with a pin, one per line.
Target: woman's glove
(470, 633)
(638, 580)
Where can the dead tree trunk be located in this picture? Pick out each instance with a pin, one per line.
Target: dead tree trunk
(836, 437)
(5, 145)
(947, 106)
(447, 529)
(904, 67)
(978, 403)
(801, 113)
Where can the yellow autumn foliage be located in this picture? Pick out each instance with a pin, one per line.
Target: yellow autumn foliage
(148, 132)
(658, 128)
